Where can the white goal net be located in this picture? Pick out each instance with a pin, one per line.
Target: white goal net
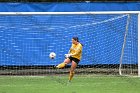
(110, 42)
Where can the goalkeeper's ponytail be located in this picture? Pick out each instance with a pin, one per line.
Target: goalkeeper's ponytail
(76, 39)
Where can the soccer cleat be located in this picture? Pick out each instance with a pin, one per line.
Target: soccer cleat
(69, 81)
(62, 65)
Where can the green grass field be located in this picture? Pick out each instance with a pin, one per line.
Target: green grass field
(58, 84)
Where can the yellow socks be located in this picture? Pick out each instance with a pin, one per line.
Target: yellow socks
(62, 65)
(71, 75)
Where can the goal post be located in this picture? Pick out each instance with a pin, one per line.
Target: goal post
(123, 46)
(139, 44)
(103, 34)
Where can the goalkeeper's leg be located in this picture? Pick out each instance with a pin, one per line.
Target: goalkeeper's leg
(73, 67)
(63, 64)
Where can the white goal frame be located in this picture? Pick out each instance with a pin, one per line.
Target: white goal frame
(89, 12)
(139, 44)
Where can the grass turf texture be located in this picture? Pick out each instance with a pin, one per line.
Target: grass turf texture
(58, 84)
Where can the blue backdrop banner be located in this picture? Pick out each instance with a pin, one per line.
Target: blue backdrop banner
(28, 39)
(69, 7)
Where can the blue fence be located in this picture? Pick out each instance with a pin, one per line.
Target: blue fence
(68, 7)
(28, 40)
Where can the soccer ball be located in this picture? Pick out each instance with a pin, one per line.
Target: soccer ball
(52, 55)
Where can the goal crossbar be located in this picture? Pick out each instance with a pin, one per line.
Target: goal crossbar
(69, 13)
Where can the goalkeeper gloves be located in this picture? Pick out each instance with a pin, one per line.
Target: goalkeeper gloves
(67, 55)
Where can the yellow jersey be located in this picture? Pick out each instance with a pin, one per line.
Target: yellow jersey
(76, 50)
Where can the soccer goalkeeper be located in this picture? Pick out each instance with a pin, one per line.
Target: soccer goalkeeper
(74, 56)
